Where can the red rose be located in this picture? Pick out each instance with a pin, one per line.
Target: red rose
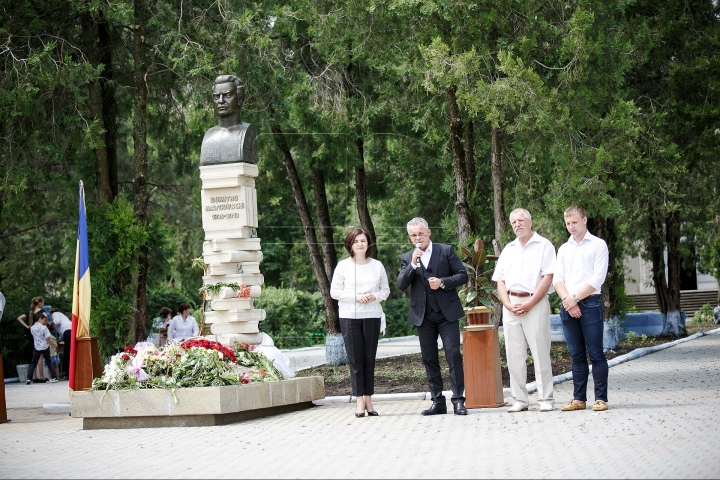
(125, 357)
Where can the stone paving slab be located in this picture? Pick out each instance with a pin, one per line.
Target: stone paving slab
(662, 423)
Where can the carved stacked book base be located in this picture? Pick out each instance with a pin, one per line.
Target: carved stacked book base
(231, 250)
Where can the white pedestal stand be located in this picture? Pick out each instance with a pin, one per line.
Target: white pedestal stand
(232, 250)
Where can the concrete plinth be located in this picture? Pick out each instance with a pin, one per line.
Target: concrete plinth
(211, 420)
(195, 406)
(223, 245)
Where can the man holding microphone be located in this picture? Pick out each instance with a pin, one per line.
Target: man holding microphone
(434, 271)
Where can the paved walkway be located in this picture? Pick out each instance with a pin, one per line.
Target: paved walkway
(662, 423)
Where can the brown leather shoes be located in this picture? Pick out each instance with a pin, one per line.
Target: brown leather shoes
(574, 405)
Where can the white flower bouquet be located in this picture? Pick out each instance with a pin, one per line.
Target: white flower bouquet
(197, 362)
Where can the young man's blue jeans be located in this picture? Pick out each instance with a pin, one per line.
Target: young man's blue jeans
(585, 334)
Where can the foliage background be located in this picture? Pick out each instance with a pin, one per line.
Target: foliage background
(611, 104)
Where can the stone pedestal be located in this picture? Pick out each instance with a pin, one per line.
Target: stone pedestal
(481, 362)
(231, 250)
(193, 407)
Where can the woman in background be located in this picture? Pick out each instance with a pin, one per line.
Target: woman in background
(183, 325)
(359, 284)
(36, 305)
(163, 321)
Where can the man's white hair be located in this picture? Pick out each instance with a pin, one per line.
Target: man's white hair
(523, 211)
(415, 221)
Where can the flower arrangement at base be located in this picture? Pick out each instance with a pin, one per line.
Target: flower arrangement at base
(197, 362)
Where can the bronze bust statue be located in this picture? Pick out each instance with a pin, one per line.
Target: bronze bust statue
(231, 141)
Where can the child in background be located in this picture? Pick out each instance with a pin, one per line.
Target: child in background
(63, 327)
(54, 354)
(40, 335)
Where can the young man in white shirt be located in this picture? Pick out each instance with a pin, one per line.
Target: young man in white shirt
(580, 271)
(523, 274)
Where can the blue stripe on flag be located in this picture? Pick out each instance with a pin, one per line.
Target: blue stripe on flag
(84, 257)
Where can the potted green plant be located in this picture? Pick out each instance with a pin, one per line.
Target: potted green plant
(481, 345)
(479, 294)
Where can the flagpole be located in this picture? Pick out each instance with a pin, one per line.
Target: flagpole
(81, 289)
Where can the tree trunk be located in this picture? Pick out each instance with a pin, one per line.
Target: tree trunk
(323, 214)
(95, 104)
(672, 236)
(470, 174)
(614, 287)
(497, 306)
(332, 325)
(498, 200)
(109, 102)
(497, 181)
(140, 194)
(613, 290)
(656, 248)
(459, 169)
(673, 324)
(361, 198)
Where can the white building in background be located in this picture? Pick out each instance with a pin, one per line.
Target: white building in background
(638, 278)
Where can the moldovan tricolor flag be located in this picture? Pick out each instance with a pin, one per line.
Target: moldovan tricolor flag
(81, 292)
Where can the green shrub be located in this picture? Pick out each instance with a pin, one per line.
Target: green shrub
(632, 338)
(555, 302)
(294, 318)
(114, 238)
(14, 337)
(396, 316)
(166, 296)
(704, 315)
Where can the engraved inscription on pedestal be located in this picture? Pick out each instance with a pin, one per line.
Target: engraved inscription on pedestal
(227, 208)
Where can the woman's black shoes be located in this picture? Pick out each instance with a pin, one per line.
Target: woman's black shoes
(370, 414)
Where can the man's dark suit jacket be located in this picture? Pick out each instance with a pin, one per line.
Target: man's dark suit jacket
(445, 265)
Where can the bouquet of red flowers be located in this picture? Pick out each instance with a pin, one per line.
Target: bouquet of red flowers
(209, 345)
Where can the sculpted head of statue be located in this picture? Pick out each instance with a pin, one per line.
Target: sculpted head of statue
(228, 97)
(231, 140)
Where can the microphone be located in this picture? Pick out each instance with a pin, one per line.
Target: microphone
(418, 245)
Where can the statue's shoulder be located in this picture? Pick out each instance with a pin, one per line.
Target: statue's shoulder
(240, 127)
(214, 131)
(228, 145)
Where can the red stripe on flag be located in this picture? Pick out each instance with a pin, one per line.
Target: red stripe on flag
(73, 352)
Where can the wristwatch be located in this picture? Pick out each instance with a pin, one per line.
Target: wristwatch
(577, 300)
(442, 284)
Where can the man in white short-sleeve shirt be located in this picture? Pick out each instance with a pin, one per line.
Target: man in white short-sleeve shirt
(524, 275)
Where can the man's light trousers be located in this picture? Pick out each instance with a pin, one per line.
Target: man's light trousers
(533, 330)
